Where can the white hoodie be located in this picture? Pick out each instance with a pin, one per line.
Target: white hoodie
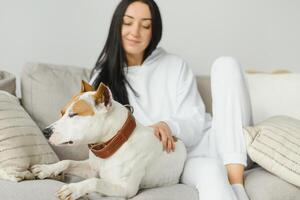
(167, 91)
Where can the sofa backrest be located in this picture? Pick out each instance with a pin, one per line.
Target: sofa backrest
(46, 88)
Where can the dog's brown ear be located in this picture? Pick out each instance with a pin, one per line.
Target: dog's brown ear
(85, 87)
(103, 95)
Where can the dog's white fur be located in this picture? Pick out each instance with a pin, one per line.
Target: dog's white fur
(139, 163)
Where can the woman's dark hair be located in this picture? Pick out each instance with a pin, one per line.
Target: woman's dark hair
(112, 60)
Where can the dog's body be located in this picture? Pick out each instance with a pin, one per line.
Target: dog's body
(139, 163)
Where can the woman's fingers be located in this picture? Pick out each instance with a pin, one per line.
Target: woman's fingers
(164, 139)
(173, 144)
(168, 142)
(156, 133)
(170, 145)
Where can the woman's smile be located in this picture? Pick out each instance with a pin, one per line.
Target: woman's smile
(132, 41)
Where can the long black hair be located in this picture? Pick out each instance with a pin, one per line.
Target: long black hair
(112, 60)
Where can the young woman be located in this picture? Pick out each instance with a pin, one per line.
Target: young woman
(163, 92)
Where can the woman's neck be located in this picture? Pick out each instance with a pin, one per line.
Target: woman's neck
(133, 60)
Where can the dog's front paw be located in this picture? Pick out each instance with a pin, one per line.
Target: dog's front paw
(15, 176)
(69, 192)
(44, 171)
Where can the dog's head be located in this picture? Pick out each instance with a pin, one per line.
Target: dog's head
(83, 117)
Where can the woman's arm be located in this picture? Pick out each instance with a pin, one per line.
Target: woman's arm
(188, 121)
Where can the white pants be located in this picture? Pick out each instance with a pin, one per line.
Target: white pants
(223, 143)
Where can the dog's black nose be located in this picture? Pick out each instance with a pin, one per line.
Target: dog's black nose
(48, 132)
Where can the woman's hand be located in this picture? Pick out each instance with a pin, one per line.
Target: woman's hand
(163, 132)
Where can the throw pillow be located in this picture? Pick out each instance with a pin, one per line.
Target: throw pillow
(21, 142)
(274, 144)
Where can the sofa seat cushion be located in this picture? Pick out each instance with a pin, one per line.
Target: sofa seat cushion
(259, 184)
(39, 189)
(45, 190)
(262, 185)
(172, 192)
(30, 189)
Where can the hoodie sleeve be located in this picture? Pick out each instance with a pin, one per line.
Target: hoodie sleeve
(187, 123)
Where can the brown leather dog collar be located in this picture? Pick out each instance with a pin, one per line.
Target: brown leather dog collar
(106, 149)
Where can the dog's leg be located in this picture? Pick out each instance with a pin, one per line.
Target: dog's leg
(127, 188)
(15, 174)
(79, 168)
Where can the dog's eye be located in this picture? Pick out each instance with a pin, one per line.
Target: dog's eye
(72, 114)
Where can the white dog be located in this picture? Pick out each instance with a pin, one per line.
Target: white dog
(124, 155)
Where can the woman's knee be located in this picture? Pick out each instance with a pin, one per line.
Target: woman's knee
(225, 67)
(206, 170)
(208, 175)
(213, 167)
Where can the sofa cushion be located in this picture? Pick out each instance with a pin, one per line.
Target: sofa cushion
(28, 190)
(274, 145)
(39, 189)
(262, 185)
(45, 89)
(45, 190)
(8, 82)
(274, 94)
(21, 142)
(172, 192)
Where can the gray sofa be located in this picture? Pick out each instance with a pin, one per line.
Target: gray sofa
(46, 88)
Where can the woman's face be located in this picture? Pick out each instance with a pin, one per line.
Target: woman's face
(136, 28)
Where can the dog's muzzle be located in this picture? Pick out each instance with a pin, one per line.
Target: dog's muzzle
(48, 132)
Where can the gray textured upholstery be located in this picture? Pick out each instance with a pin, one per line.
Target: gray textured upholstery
(45, 190)
(29, 190)
(262, 185)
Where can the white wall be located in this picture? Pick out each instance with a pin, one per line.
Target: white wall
(261, 34)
